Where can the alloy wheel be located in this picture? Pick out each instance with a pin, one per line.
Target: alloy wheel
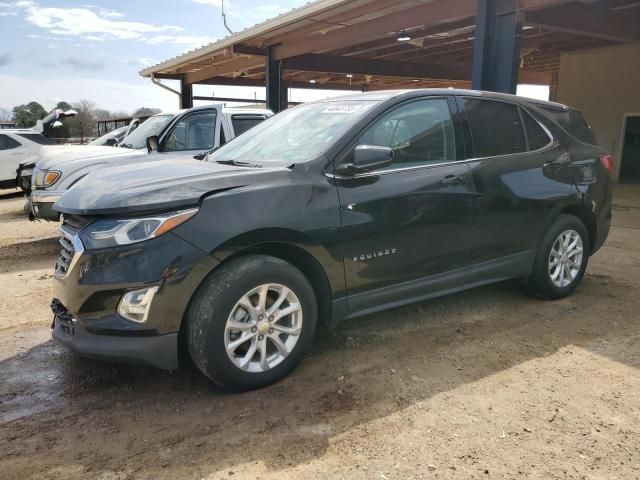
(263, 328)
(565, 258)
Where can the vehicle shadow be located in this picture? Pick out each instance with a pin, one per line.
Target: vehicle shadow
(9, 194)
(16, 215)
(121, 417)
(29, 255)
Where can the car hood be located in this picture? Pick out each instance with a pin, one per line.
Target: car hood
(51, 158)
(160, 185)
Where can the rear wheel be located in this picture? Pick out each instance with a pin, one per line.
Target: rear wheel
(561, 260)
(251, 322)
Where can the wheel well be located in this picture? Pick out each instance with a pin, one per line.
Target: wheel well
(304, 262)
(588, 219)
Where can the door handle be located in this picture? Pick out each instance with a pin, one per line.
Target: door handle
(454, 180)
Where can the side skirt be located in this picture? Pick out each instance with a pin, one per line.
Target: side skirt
(512, 266)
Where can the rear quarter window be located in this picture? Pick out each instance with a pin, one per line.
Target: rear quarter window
(571, 121)
(37, 138)
(536, 135)
(7, 143)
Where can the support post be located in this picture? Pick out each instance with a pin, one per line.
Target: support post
(186, 93)
(496, 49)
(276, 86)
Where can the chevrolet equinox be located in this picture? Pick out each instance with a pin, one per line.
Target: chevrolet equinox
(327, 211)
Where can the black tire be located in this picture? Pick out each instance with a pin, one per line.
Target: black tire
(213, 303)
(539, 282)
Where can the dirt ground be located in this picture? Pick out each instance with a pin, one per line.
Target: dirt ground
(489, 383)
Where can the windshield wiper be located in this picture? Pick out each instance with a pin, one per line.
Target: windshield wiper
(237, 163)
(126, 145)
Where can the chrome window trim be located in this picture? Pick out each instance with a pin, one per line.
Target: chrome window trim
(552, 140)
(552, 144)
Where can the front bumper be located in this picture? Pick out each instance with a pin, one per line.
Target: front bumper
(42, 205)
(90, 287)
(157, 351)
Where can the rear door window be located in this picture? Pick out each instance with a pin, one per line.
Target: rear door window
(242, 123)
(496, 127)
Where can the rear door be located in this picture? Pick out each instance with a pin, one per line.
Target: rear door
(519, 171)
(410, 220)
(195, 132)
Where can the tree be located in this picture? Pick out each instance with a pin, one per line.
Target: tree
(145, 112)
(27, 115)
(84, 123)
(62, 105)
(5, 115)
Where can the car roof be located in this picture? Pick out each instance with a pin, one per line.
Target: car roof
(383, 95)
(224, 109)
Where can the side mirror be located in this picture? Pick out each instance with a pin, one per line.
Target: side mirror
(153, 144)
(366, 158)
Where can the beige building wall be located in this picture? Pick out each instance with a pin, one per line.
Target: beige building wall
(605, 85)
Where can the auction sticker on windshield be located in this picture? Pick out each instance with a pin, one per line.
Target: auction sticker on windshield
(342, 109)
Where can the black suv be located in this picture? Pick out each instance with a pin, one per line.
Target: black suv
(328, 211)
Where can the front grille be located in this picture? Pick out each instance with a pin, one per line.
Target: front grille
(66, 254)
(69, 229)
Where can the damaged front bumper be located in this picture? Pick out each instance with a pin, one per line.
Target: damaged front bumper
(41, 205)
(153, 350)
(89, 286)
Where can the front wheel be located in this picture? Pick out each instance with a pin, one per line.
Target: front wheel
(561, 260)
(251, 322)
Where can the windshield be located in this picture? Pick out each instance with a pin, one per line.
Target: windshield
(295, 135)
(152, 126)
(107, 136)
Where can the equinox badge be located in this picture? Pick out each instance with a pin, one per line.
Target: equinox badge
(376, 254)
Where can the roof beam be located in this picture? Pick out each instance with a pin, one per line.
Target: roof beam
(390, 45)
(313, 62)
(333, 21)
(260, 82)
(236, 65)
(439, 11)
(246, 50)
(588, 21)
(425, 15)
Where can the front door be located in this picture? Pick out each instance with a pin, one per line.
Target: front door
(196, 132)
(410, 220)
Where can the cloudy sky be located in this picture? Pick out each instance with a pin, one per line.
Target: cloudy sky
(53, 50)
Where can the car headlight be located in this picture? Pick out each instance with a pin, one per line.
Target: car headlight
(46, 178)
(110, 232)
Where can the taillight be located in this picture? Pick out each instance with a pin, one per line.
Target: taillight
(607, 161)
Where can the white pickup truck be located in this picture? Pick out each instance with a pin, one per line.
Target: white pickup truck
(188, 132)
